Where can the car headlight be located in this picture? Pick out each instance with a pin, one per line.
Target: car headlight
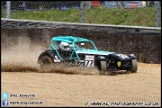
(132, 55)
(119, 63)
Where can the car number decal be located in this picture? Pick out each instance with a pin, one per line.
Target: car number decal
(89, 61)
(57, 59)
(122, 55)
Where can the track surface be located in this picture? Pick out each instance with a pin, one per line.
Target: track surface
(66, 86)
(55, 89)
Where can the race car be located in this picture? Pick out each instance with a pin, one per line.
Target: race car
(77, 51)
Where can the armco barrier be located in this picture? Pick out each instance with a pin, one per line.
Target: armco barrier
(145, 42)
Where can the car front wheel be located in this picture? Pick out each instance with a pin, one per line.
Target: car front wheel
(134, 66)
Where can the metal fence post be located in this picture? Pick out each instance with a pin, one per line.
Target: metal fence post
(8, 11)
(158, 14)
(24, 5)
(81, 11)
(87, 5)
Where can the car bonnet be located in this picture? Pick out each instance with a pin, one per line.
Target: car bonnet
(94, 52)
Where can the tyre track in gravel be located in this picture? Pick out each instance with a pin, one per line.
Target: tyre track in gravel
(56, 89)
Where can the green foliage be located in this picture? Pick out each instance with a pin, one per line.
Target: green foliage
(136, 17)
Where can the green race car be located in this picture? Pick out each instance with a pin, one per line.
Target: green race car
(77, 51)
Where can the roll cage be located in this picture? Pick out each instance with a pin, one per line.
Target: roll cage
(55, 41)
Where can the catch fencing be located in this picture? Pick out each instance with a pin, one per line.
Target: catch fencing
(97, 12)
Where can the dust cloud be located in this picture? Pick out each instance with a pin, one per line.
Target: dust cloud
(23, 55)
(66, 69)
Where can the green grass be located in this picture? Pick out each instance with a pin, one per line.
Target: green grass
(136, 17)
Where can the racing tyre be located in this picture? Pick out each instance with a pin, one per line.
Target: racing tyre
(134, 66)
(102, 66)
(46, 61)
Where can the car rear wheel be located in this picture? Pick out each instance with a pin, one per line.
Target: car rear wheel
(45, 62)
